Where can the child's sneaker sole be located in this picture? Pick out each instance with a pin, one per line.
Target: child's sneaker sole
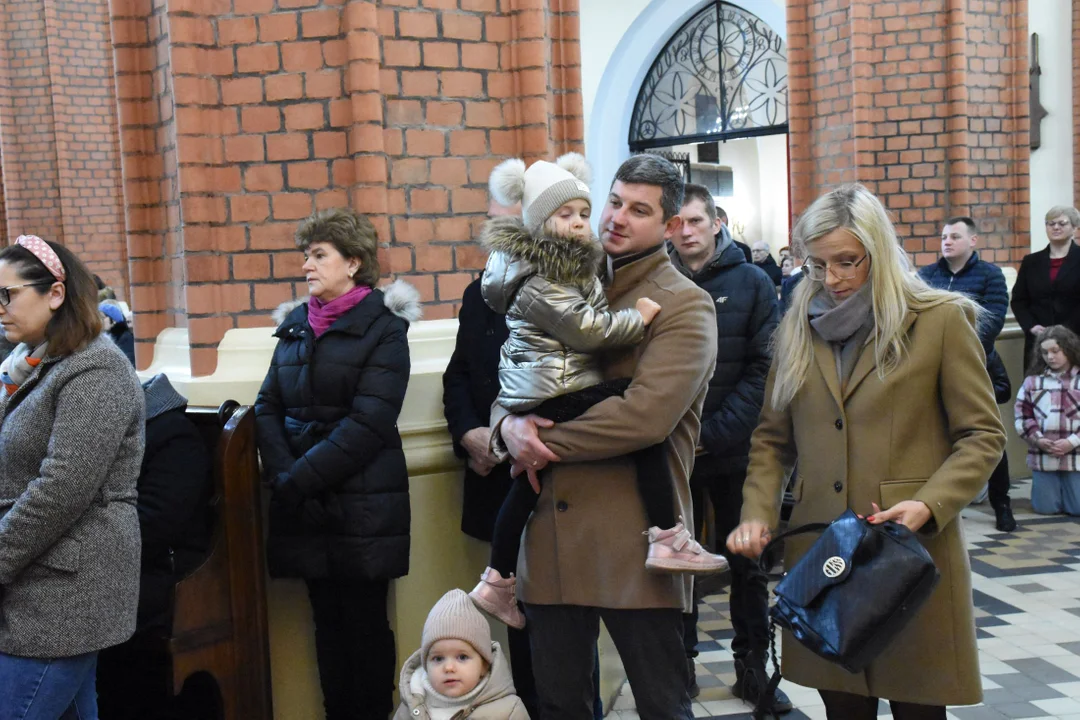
(517, 621)
(670, 565)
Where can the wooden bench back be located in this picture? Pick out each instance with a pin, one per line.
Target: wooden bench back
(219, 622)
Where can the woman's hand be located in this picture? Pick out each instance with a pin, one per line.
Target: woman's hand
(912, 514)
(1045, 444)
(1062, 447)
(749, 539)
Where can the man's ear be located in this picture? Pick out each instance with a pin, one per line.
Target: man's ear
(974, 240)
(672, 226)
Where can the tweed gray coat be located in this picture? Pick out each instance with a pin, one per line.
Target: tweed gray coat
(549, 289)
(71, 444)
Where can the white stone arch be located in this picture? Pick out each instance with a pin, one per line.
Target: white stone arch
(609, 123)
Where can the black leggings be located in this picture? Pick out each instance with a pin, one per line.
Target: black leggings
(653, 478)
(847, 706)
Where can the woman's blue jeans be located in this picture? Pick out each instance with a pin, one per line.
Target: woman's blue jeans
(48, 688)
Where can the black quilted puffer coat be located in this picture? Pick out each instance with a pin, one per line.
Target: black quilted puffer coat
(326, 418)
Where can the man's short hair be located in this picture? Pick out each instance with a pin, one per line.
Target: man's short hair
(966, 220)
(700, 192)
(722, 214)
(646, 169)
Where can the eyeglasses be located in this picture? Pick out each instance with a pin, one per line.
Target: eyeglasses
(5, 292)
(1058, 224)
(841, 270)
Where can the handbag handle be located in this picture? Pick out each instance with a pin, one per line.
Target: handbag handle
(764, 563)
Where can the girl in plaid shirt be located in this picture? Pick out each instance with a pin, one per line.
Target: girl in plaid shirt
(1048, 418)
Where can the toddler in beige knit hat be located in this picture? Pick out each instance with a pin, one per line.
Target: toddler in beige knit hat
(458, 668)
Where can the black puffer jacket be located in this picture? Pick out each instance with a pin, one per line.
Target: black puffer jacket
(327, 426)
(746, 316)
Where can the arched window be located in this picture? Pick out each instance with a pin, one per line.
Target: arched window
(723, 75)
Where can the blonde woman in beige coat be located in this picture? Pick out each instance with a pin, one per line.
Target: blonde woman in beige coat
(879, 388)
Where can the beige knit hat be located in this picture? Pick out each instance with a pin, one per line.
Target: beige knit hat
(455, 617)
(543, 188)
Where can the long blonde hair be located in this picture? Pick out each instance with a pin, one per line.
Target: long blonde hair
(896, 291)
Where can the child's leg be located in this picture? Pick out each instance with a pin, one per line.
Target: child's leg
(572, 405)
(655, 486)
(510, 523)
(1046, 495)
(1070, 492)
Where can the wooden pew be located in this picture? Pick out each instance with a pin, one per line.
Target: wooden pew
(218, 648)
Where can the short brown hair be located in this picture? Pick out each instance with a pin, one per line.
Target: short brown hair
(1068, 211)
(350, 233)
(77, 322)
(692, 191)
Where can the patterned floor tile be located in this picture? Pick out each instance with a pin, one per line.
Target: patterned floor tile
(1027, 611)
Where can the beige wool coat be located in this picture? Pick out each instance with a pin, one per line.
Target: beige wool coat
(928, 431)
(583, 544)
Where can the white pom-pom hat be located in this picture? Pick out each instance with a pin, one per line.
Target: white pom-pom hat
(543, 188)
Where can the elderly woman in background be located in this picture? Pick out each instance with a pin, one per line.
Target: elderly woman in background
(879, 387)
(326, 418)
(1047, 289)
(71, 442)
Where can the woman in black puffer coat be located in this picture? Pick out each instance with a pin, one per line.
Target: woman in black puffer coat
(327, 430)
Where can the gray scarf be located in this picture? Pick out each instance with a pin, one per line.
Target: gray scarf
(846, 326)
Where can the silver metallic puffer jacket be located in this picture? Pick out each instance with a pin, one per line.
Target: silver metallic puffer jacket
(556, 311)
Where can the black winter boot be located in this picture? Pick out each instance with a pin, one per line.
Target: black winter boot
(751, 679)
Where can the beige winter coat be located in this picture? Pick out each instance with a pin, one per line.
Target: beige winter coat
(930, 431)
(556, 311)
(496, 701)
(583, 544)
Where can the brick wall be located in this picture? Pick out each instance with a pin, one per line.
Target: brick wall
(279, 108)
(925, 102)
(1076, 100)
(58, 130)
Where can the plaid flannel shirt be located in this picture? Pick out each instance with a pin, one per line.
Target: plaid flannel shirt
(1048, 406)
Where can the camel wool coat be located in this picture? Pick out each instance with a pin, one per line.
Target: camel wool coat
(930, 431)
(583, 544)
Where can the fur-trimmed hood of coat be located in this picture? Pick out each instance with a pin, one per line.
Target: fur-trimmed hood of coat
(399, 297)
(561, 260)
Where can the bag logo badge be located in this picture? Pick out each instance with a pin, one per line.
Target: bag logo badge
(834, 567)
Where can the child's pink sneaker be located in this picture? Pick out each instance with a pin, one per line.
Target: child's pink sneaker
(497, 596)
(675, 551)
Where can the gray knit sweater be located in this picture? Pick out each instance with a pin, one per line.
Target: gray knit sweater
(71, 444)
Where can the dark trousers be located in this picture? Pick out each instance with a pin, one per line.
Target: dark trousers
(998, 486)
(354, 646)
(846, 706)
(521, 667)
(653, 478)
(749, 587)
(649, 642)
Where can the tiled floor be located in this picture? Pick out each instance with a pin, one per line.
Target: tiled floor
(1027, 598)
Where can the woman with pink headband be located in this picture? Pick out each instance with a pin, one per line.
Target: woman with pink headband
(71, 443)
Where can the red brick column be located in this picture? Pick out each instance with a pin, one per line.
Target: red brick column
(241, 117)
(923, 101)
(58, 130)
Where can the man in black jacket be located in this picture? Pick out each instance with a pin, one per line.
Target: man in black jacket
(470, 385)
(746, 315)
(176, 524)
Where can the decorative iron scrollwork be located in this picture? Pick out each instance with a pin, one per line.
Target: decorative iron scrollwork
(722, 75)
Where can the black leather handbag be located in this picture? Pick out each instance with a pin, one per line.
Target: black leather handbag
(851, 593)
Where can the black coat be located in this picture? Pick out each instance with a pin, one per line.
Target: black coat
(746, 316)
(175, 488)
(470, 385)
(1037, 301)
(326, 418)
(773, 270)
(124, 339)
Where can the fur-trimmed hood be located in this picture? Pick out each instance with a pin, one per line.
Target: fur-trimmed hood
(561, 260)
(399, 297)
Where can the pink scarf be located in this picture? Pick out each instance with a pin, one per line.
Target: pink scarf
(322, 315)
